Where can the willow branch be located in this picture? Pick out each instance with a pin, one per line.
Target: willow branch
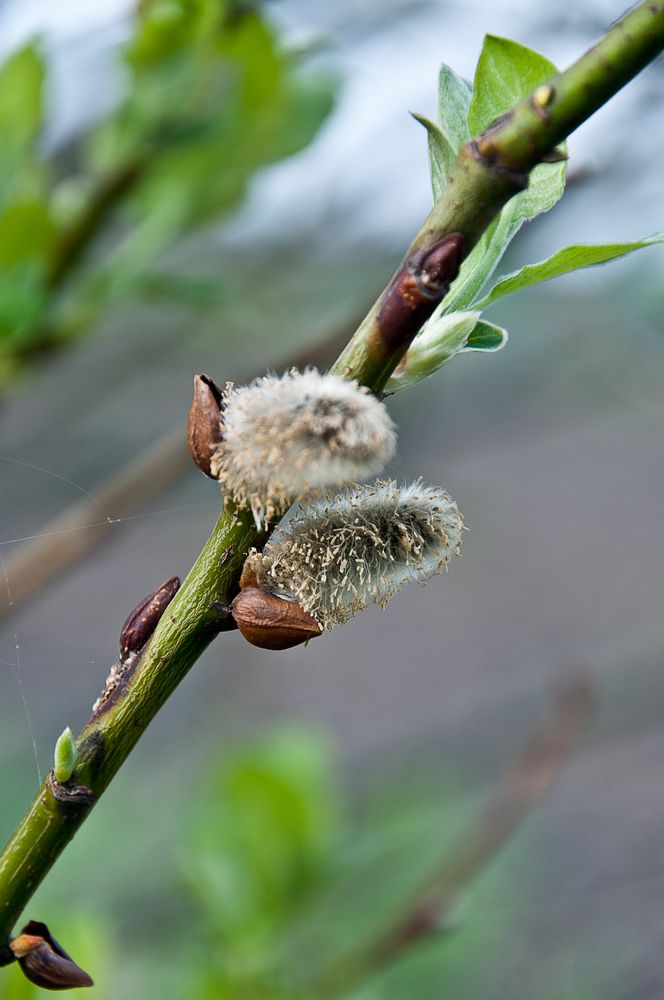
(488, 171)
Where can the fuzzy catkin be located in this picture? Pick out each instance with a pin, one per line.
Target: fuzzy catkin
(345, 552)
(291, 437)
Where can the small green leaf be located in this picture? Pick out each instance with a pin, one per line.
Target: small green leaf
(437, 342)
(506, 72)
(65, 756)
(486, 337)
(570, 258)
(454, 97)
(441, 155)
(448, 134)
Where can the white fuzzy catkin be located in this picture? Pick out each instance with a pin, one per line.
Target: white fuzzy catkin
(360, 547)
(291, 437)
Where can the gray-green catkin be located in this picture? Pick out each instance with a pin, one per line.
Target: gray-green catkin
(344, 552)
(291, 437)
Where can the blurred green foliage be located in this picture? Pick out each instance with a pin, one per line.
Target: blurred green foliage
(210, 97)
(280, 885)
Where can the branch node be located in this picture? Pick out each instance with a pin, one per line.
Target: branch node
(223, 618)
(486, 150)
(72, 796)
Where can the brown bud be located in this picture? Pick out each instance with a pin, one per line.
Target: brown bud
(144, 619)
(271, 622)
(44, 962)
(417, 288)
(439, 266)
(203, 430)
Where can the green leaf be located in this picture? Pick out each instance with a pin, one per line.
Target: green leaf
(506, 72)
(437, 342)
(441, 154)
(486, 337)
(448, 134)
(454, 98)
(21, 81)
(570, 258)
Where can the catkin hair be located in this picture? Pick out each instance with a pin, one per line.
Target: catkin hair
(291, 437)
(345, 552)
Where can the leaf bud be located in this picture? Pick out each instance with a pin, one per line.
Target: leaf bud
(44, 962)
(143, 620)
(65, 756)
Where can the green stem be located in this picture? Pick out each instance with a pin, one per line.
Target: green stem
(490, 169)
(487, 173)
(541, 121)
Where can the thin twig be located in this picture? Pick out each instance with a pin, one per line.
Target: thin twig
(527, 778)
(59, 543)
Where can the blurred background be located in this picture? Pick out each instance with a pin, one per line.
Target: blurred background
(201, 186)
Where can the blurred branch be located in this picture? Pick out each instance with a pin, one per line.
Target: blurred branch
(75, 240)
(78, 530)
(528, 777)
(488, 171)
(85, 524)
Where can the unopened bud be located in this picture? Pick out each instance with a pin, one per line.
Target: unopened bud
(44, 962)
(144, 619)
(65, 756)
(417, 288)
(203, 430)
(271, 622)
(543, 95)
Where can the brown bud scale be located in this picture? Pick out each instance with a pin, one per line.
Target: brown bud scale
(73, 797)
(144, 619)
(271, 622)
(44, 962)
(204, 426)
